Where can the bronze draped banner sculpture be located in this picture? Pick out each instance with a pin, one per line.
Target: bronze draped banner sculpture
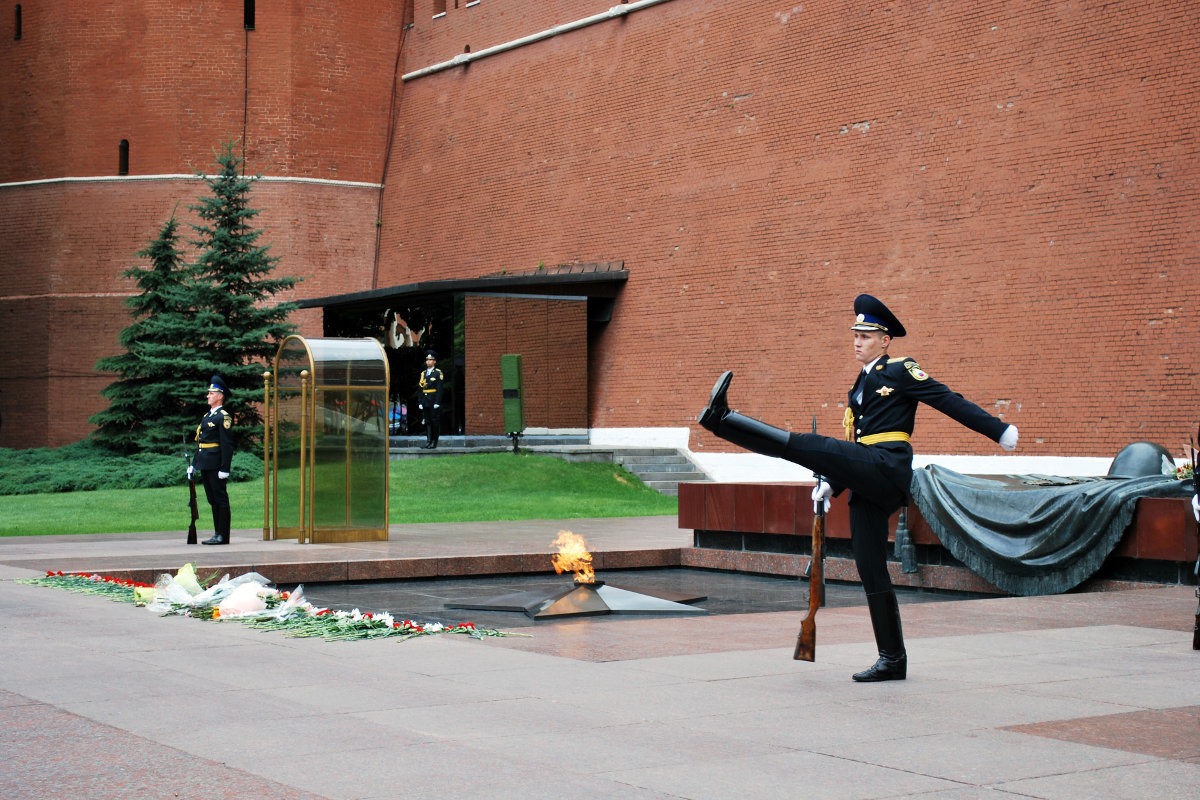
(1031, 534)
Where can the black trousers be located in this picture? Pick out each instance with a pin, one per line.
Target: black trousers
(217, 493)
(873, 474)
(433, 424)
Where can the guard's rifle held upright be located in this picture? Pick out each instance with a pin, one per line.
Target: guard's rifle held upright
(195, 509)
(1196, 569)
(806, 641)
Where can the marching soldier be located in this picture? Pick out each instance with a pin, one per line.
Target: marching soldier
(874, 461)
(430, 399)
(214, 458)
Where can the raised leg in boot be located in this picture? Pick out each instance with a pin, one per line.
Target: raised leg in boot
(841, 463)
(743, 431)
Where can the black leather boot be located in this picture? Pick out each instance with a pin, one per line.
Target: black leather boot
(222, 520)
(731, 426)
(885, 620)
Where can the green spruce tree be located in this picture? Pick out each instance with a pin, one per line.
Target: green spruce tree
(150, 408)
(242, 328)
(196, 320)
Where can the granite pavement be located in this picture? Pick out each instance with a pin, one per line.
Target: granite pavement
(1071, 696)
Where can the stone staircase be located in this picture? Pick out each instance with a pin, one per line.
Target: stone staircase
(662, 469)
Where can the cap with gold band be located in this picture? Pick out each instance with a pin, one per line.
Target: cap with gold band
(872, 315)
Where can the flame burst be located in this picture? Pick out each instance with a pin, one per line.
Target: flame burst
(573, 555)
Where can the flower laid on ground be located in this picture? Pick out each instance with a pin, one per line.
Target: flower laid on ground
(116, 588)
(334, 625)
(250, 599)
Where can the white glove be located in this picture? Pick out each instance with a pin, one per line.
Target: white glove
(191, 471)
(1008, 439)
(223, 475)
(821, 494)
(437, 405)
(1196, 506)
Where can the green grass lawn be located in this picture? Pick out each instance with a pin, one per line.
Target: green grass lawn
(467, 488)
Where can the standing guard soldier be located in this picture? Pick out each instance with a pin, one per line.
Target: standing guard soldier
(214, 458)
(430, 400)
(874, 462)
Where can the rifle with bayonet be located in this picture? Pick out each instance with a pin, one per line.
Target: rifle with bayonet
(195, 509)
(806, 641)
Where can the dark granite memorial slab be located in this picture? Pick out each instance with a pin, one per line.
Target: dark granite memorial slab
(586, 599)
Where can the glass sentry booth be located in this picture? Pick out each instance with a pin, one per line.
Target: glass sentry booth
(325, 441)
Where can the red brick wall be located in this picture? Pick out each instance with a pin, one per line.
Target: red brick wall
(24, 364)
(1016, 180)
(487, 24)
(310, 87)
(48, 388)
(551, 338)
(310, 91)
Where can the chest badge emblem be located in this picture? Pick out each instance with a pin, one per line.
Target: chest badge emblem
(884, 391)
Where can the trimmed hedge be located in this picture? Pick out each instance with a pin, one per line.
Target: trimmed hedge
(86, 466)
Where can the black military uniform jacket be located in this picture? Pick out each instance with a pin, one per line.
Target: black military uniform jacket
(215, 438)
(891, 391)
(885, 416)
(431, 388)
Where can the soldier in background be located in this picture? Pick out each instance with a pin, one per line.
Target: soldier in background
(429, 387)
(874, 461)
(214, 458)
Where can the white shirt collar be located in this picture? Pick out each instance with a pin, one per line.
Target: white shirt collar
(867, 367)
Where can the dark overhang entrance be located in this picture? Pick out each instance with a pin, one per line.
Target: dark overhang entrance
(551, 316)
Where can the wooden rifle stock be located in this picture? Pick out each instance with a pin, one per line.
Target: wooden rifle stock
(192, 486)
(806, 642)
(195, 512)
